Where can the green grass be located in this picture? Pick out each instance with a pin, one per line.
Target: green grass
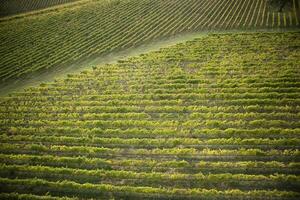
(57, 38)
(213, 118)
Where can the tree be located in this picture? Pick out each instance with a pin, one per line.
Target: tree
(280, 4)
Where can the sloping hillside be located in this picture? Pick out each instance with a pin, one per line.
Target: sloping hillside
(60, 37)
(13, 7)
(214, 118)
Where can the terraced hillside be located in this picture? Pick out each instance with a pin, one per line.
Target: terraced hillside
(214, 118)
(60, 37)
(12, 7)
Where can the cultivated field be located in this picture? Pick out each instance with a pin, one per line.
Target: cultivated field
(13, 7)
(59, 37)
(213, 118)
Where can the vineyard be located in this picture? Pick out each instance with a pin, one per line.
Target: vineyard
(12, 7)
(213, 118)
(38, 43)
